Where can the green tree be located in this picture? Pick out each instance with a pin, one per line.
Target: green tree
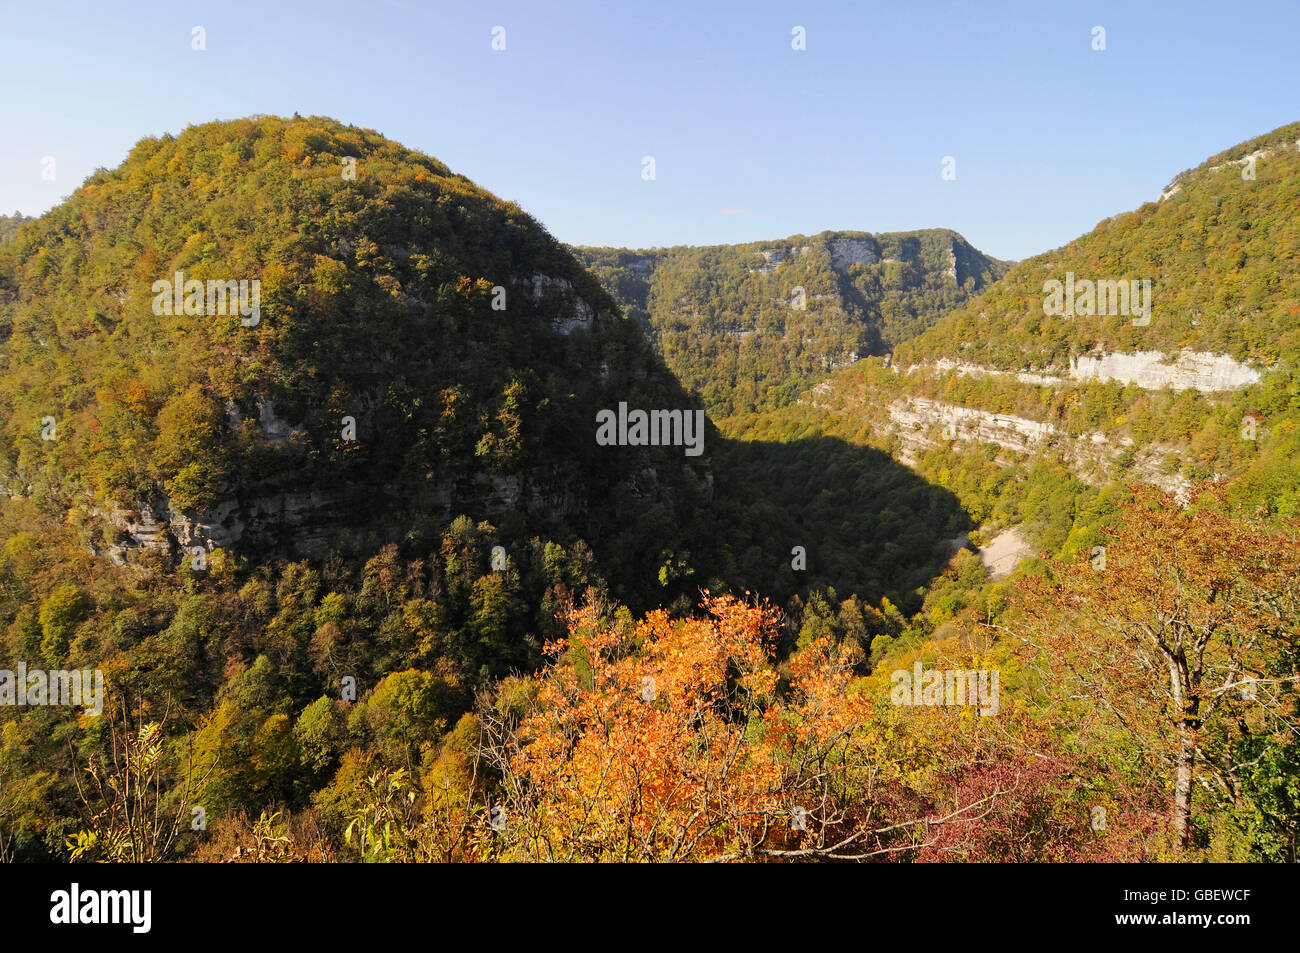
(60, 615)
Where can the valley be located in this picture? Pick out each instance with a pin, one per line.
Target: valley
(450, 523)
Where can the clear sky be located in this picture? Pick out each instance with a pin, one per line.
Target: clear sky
(751, 138)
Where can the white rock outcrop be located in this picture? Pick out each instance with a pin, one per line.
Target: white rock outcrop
(853, 251)
(581, 316)
(914, 422)
(1202, 371)
(1191, 370)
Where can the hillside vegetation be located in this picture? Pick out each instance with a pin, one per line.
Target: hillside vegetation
(380, 472)
(412, 358)
(1220, 250)
(749, 326)
(363, 582)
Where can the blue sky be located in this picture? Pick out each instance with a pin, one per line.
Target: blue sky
(751, 138)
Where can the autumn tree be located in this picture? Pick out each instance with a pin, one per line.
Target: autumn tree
(1182, 634)
(672, 740)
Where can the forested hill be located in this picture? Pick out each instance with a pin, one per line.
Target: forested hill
(407, 348)
(1024, 410)
(299, 449)
(299, 457)
(749, 326)
(1219, 246)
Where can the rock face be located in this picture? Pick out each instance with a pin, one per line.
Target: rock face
(1191, 370)
(775, 257)
(853, 251)
(964, 423)
(921, 424)
(275, 431)
(309, 518)
(967, 369)
(579, 315)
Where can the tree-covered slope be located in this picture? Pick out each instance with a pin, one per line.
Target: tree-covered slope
(9, 225)
(749, 326)
(1221, 248)
(1026, 414)
(359, 577)
(420, 349)
(300, 537)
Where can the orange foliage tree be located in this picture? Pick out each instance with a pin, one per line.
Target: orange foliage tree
(679, 740)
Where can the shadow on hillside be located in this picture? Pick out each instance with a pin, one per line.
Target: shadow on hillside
(868, 524)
